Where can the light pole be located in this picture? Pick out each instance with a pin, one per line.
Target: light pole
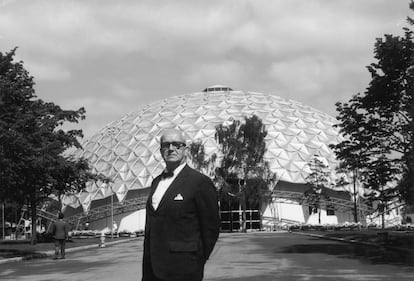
(111, 132)
(112, 215)
(111, 227)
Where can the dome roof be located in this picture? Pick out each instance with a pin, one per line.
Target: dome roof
(127, 150)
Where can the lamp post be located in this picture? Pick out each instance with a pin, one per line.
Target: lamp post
(112, 215)
(111, 132)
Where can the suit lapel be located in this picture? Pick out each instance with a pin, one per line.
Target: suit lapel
(172, 189)
(153, 188)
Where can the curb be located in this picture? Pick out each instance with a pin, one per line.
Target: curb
(352, 241)
(44, 254)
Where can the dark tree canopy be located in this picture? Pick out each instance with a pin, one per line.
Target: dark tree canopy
(243, 173)
(378, 124)
(33, 144)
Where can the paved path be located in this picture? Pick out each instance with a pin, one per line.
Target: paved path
(247, 257)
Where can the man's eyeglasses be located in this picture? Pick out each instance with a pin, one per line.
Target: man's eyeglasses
(175, 145)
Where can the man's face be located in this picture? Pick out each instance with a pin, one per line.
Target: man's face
(173, 148)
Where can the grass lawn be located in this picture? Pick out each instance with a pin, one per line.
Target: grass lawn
(397, 239)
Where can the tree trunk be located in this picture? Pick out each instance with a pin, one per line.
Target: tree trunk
(33, 212)
(319, 215)
(355, 197)
(243, 206)
(244, 219)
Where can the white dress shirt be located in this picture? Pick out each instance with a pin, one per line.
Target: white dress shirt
(163, 185)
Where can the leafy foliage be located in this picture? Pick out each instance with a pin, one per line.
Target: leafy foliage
(243, 172)
(199, 159)
(378, 125)
(33, 164)
(318, 179)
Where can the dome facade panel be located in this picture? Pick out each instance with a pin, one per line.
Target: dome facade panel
(122, 150)
(277, 114)
(108, 157)
(90, 146)
(303, 137)
(166, 114)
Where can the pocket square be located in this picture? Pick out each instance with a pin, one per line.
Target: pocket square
(178, 197)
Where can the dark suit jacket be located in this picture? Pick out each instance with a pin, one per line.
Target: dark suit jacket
(59, 229)
(180, 235)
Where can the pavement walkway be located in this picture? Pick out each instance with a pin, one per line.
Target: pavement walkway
(256, 256)
(50, 253)
(351, 238)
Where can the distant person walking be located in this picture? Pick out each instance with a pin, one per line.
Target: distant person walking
(60, 231)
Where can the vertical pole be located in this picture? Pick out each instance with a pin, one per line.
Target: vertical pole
(240, 210)
(112, 132)
(383, 207)
(2, 216)
(112, 216)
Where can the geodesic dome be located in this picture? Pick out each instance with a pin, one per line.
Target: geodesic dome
(127, 150)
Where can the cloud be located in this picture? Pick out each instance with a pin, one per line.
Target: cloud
(302, 74)
(225, 72)
(48, 71)
(116, 56)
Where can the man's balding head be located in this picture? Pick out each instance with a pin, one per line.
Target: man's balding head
(175, 134)
(173, 148)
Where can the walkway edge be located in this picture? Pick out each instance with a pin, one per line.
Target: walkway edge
(45, 254)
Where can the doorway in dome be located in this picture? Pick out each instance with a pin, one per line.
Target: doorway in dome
(231, 214)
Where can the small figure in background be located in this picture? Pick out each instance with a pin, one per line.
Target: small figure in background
(102, 240)
(114, 228)
(60, 231)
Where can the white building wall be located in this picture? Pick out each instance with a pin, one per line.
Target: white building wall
(129, 222)
(133, 222)
(292, 212)
(289, 211)
(325, 219)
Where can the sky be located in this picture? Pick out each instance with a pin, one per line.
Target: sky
(114, 57)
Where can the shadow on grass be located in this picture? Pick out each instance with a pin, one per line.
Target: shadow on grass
(263, 277)
(368, 254)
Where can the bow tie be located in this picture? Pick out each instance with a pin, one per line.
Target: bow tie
(167, 174)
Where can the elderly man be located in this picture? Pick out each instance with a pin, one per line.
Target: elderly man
(182, 218)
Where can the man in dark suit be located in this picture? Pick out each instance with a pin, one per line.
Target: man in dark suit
(182, 218)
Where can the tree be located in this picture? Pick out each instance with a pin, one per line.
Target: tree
(71, 175)
(318, 179)
(33, 143)
(243, 173)
(200, 161)
(378, 124)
